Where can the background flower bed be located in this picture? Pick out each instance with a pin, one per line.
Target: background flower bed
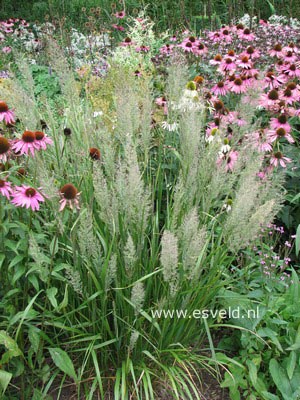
(155, 193)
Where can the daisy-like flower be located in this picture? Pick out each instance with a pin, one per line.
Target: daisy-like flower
(69, 196)
(26, 196)
(6, 115)
(280, 122)
(216, 60)
(238, 86)
(251, 52)
(227, 65)
(280, 133)
(261, 141)
(120, 14)
(25, 145)
(272, 81)
(289, 57)
(42, 140)
(230, 159)
(276, 51)
(199, 49)
(6, 49)
(278, 158)
(291, 70)
(246, 34)
(187, 46)
(244, 62)
(5, 188)
(127, 42)
(288, 96)
(220, 89)
(270, 99)
(5, 149)
(162, 102)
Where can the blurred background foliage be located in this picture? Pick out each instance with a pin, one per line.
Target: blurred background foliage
(168, 14)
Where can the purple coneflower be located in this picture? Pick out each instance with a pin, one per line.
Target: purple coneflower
(42, 140)
(5, 188)
(5, 149)
(69, 196)
(6, 114)
(26, 196)
(25, 145)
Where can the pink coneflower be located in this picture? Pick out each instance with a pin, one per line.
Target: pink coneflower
(120, 14)
(227, 64)
(270, 99)
(272, 81)
(280, 133)
(69, 196)
(288, 96)
(289, 57)
(199, 49)
(6, 114)
(142, 49)
(26, 196)
(166, 49)
(162, 102)
(225, 34)
(42, 140)
(291, 70)
(276, 51)
(251, 52)
(231, 159)
(261, 141)
(220, 89)
(246, 34)
(216, 60)
(118, 27)
(5, 149)
(6, 49)
(237, 86)
(5, 188)
(244, 62)
(291, 47)
(127, 42)
(216, 37)
(278, 158)
(187, 46)
(25, 145)
(280, 122)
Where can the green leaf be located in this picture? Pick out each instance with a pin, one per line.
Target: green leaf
(63, 362)
(252, 371)
(11, 347)
(54, 246)
(291, 364)
(281, 380)
(51, 293)
(5, 378)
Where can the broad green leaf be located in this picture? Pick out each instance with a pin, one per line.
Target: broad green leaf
(5, 378)
(63, 362)
(291, 364)
(51, 293)
(252, 371)
(281, 380)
